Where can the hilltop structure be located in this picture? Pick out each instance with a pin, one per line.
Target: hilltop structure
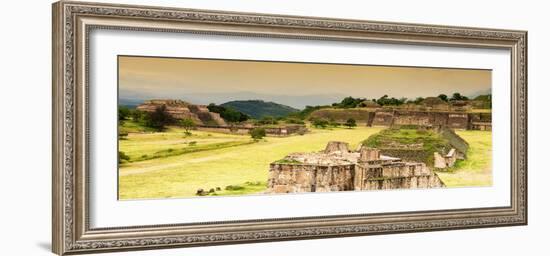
(207, 120)
(438, 147)
(339, 169)
(179, 109)
(431, 112)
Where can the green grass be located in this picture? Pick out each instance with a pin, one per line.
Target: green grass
(189, 148)
(476, 170)
(408, 139)
(150, 145)
(182, 175)
(129, 126)
(430, 140)
(246, 188)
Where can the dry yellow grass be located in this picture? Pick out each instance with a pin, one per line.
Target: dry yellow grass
(247, 164)
(476, 170)
(182, 175)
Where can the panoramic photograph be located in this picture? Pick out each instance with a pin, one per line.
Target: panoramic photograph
(210, 127)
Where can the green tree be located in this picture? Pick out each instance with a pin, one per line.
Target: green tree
(350, 123)
(387, 101)
(187, 124)
(458, 96)
(158, 119)
(257, 133)
(123, 113)
(443, 97)
(320, 123)
(228, 114)
(417, 100)
(137, 115)
(231, 115)
(349, 102)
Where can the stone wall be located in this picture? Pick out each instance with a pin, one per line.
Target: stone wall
(458, 121)
(395, 176)
(383, 118)
(387, 116)
(456, 141)
(284, 130)
(454, 120)
(296, 178)
(337, 169)
(480, 121)
(445, 161)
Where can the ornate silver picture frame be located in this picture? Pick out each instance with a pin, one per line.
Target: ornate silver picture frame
(74, 21)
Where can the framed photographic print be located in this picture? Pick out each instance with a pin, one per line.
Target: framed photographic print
(179, 127)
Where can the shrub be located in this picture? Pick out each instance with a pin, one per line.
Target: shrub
(122, 135)
(234, 187)
(350, 123)
(320, 123)
(255, 183)
(257, 133)
(122, 157)
(201, 192)
(333, 123)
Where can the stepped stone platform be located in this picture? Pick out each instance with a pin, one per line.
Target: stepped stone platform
(339, 169)
(179, 109)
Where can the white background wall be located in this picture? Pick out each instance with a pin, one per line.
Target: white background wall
(25, 117)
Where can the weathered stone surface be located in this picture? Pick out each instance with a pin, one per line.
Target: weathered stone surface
(368, 154)
(179, 109)
(337, 146)
(337, 169)
(455, 120)
(445, 161)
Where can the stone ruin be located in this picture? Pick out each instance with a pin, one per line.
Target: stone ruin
(179, 109)
(210, 121)
(455, 117)
(339, 169)
(443, 158)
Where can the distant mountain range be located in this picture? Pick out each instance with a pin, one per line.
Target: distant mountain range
(260, 108)
(478, 93)
(131, 103)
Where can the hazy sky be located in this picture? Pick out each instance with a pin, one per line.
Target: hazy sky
(294, 84)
